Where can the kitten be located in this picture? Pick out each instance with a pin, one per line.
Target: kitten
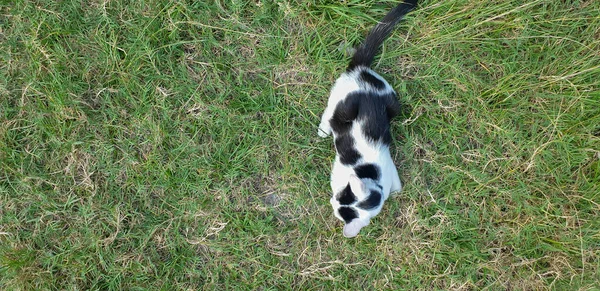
(358, 113)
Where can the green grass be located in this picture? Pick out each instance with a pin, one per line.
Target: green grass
(172, 145)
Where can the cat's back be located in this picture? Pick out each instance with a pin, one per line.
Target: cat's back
(359, 79)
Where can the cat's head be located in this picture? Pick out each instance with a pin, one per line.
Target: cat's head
(356, 204)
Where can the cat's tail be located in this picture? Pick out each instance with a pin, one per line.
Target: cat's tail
(366, 52)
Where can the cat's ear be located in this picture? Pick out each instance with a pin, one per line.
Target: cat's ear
(353, 228)
(356, 184)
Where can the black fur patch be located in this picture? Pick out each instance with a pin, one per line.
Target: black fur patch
(392, 107)
(370, 171)
(347, 214)
(346, 197)
(372, 201)
(344, 146)
(377, 110)
(345, 112)
(370, 79)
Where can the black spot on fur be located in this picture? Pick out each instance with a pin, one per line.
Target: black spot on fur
(392, 107)
(370, 79)
(370, 171)
(372, 201)
(344, 145)
(347, 214)
(345, 112)
(346, 197)
(377, 110)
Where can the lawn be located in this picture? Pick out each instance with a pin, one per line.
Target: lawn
(172, 145)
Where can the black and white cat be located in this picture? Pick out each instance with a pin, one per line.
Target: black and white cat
(358, 113)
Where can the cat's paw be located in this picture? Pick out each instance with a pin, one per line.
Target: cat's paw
(323, 132)
(396, 185)
(395, 191)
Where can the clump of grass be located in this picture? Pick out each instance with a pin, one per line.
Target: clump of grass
(171, 145)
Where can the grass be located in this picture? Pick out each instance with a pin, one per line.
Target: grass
(171, 145)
